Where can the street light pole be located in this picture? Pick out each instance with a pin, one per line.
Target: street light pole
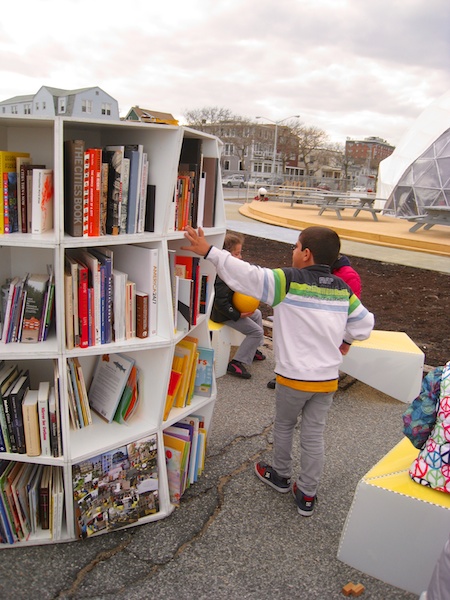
(276, 123)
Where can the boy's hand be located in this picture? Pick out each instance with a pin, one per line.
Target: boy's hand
(199, 245)
(344, 348)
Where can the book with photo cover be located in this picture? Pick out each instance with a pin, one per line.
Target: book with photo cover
(108, 383)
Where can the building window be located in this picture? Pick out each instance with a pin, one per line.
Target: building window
(226, 165)
(27, 109)
(3, 109)
(37, 105)
(86, 106)
(14, 109)
(228, 150)
(61, 105)
(257, 167)
(106, 108)
(44, 105)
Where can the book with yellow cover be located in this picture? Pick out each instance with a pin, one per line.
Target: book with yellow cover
(186, 347)
(7, 165)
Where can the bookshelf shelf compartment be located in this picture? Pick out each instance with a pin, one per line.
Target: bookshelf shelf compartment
(144, 460)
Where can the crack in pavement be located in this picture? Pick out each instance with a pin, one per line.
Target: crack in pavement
(222, 482)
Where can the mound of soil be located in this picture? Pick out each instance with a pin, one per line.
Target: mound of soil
(407, 299)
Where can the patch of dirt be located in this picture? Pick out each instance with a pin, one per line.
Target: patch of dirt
(407, 299)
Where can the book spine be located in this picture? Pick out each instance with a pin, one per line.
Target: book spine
(143, 194)
(73, 193)
(125, 190)
(23, 198)
(31, 429)
(153, 298)
(83, 308)
(4, 223)
(141, 315)
(53, 423)
(87, 196)
(104, 197)
(9, 425)
(44, 420)
(94, 190)
(18, 425)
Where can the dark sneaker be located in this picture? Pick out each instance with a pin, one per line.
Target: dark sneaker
(259, 356)
(268, 474)
(305, 504)
(271, 384)
(237, 369)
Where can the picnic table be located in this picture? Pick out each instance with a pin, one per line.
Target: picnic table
(338, 203)
(433, 215)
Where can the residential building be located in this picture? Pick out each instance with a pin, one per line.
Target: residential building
(363, 158)
(91, 102)
(248, 148)
(146, 115)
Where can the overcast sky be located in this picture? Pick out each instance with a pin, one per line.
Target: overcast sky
(354, 68)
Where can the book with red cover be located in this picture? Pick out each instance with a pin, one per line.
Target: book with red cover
(83, 302)
(73, 187)
(94, 186)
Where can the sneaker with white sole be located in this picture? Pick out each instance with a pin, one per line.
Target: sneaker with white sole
(305, 504)
(268, 474)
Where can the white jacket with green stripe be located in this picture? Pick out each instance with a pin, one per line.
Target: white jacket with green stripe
(314, 312)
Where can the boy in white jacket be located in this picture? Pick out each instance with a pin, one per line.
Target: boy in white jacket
(316, 318)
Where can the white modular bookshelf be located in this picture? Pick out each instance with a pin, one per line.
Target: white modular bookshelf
(22, 253)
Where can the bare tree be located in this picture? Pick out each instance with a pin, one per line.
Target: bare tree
(312, 142)
(208, 115)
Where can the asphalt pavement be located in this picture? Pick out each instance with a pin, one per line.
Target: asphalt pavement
(232, 536)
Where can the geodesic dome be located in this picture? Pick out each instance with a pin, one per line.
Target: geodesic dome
(417, 174)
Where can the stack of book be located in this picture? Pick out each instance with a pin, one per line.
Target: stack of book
(30, 421)
(27, 194)
(31, 501)
(196, 190)
(107, 190)
(110, 295)
(185, 449)
(27, 305)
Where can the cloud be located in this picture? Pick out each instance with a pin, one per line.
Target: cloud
(352, 68)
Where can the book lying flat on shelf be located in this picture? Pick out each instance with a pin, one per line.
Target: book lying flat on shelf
(108, 383)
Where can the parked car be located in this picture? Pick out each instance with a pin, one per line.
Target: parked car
(233, 181)
(275, 181)
(251, 183)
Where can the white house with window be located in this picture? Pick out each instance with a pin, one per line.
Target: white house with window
(90, 102)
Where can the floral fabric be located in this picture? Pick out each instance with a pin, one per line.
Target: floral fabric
(432, 466)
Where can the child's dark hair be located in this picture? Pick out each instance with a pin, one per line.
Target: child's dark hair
(231, 240)
(323, 242)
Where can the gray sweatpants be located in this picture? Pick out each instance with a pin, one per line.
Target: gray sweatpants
(253, 330)
(313, 408)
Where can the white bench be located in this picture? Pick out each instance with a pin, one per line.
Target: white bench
(396, 528)
(222, 338)
(388, 361)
